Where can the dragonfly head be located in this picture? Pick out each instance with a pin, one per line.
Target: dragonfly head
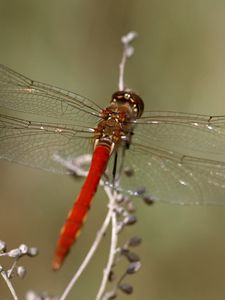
(130, 98)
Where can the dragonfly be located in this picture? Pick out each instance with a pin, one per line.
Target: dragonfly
(178, 157)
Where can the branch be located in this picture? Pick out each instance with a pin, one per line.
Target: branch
(114, 240)
(9, 283)
(15, 254)
(128, 51)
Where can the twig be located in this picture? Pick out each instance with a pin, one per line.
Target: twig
(114, 240)
(74, 165)
(10, 271)
(15, 254)
(10, 286)
(127, 52)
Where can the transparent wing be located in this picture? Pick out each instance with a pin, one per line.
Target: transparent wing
(22, 94)
(188, 134)
(179, 158)
(38, 121)
(174, 178)
(36, 143)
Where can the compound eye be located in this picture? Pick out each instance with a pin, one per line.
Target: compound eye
(134, 100)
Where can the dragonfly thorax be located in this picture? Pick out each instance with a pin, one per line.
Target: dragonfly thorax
(118, 119)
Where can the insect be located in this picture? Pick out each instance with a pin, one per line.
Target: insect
(178, 157)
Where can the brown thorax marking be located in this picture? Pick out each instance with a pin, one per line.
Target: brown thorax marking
(117, 119)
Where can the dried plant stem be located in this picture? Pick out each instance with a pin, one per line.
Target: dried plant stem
(10, 271)
(114, 240)
(10, 286)
(93, 248)
(127, 52)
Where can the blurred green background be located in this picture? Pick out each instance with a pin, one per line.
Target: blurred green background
(179, 64)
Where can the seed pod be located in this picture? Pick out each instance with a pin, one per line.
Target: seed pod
(140, 191)
(134, 241)
(130, 220)
(14, 253)
(132, 257)
(111, 276)
(33, 251)
(128, 171)
(126, 288)
(21, 271)
(133, 267)
(23, 248)
(148, 199)
(2, 246)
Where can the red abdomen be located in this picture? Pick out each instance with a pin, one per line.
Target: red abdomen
(75, 219)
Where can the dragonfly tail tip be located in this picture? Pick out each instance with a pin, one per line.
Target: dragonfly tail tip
(56, 263)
